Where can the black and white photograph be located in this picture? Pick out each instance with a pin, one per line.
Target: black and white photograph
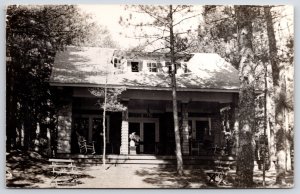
(149, 96)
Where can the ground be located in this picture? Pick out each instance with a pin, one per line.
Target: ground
(30, 170)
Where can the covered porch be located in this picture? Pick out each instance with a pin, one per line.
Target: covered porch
(149, 115)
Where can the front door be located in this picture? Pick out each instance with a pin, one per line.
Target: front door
(135, 127)
(201, 130)
(149, 138)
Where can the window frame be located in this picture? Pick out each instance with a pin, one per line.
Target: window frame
(131, 66)
(151, 65)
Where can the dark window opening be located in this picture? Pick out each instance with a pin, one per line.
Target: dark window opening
(169, 65)
(115, 62)
(134, 66)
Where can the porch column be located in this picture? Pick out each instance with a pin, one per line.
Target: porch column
(216, 127)
(124, 132)
(235, 127)
(185, 130)
(64, 128)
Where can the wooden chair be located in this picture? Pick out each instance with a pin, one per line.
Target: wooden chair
(85, 147)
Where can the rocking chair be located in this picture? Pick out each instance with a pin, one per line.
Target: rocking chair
(85, 147)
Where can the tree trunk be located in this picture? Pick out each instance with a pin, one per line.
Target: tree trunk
(245, 155)
(103, 124)
(174, 99)
(11, 103)
(288, 161)
(27, 127)
(279, 108)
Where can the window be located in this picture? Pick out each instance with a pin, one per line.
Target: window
(152, 67)
(169, 65)
(184, 67)
(134, 66)
(90, 127)
(178, 66)
(116, 62)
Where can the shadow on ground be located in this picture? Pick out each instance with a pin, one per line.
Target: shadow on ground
(168, 178)
(29, 170)
(197, 178)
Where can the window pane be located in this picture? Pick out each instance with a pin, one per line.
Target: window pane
(154, 69)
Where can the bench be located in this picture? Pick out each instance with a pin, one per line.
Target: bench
(64, 171)
(219, 171)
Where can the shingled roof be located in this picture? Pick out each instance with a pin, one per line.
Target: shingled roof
(87, 67)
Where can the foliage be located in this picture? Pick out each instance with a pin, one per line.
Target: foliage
(272, 45)
(113, 103)
(34, 34)
(134, 137)
(218, 33)
(151, 25)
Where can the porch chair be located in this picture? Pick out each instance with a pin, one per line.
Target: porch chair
(85, 147)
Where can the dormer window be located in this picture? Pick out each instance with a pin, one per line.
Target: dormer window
(184, 67)
(179, 65)
(117, 62)
(153, 66)
(135, 66)
(169, 66)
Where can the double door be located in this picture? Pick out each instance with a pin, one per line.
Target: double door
(148, 132)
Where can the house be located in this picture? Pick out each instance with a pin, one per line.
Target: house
(206, 86)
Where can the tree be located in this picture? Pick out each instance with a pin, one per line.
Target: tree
(164, 33)
(280, 93)
(220, 22)
(108, 101)
(218, 33)
(34, 34)
(245, 155)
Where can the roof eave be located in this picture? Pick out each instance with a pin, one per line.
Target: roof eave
(58, 84)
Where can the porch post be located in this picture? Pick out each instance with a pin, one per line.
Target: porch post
(235, 126)
(64, 128)
(185, 130)
(124, 132)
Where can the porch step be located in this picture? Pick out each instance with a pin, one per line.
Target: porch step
(145, 159)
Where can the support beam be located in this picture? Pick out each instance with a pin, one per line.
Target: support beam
(64, 128)
(124, 132)
(185, 129)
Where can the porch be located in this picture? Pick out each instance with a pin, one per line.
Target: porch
(149, 115)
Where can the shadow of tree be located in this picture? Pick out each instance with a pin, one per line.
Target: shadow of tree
(168, 178)
(31, 170)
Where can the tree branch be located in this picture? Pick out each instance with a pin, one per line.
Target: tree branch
(158, 18)
(185, 19)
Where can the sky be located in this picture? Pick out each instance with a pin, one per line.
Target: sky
(109, 16)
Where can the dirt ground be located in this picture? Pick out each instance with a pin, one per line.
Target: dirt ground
(32, 171)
